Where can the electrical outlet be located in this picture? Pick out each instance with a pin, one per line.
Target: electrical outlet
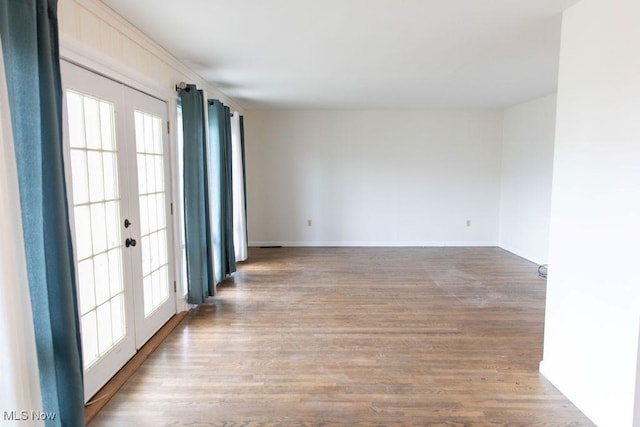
(468, 223)
(309, 223)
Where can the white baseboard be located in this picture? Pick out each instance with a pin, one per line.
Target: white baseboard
(375, 244)
(544, 370)
(522, 254)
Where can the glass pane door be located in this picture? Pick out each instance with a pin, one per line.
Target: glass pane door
(152, 198)
(96, 211)
(118, 197)
(98, 201)
(149, 182)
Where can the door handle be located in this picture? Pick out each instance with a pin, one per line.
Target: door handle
(129, 242)
(127, 223)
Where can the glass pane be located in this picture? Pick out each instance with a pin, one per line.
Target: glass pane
(89, 338)
(115, 272)
(164, 285)
(152, 214)
(94, 171)
(148, 133)
(157, 135)
(159, 178)
(117, 318)
(139, 132)
(106, 126)
(79, 176)
(96, 176)
(146, 287)
(153, 241)
(86, 286)
(149, 178)
(162, 247)
(75, 115)
(146, 256)
(142, 175)
(154, 171)
(144, 212)
(98, 228)
(112, 210)
(101, 274)
(161, 210)
(92, 123)
(105, 337)
(155, 288)
(110, 176)
(82, 220)
(151, 196)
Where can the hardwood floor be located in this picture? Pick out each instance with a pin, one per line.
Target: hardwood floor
(356, 336)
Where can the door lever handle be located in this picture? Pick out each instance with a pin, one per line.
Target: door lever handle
(129, 242)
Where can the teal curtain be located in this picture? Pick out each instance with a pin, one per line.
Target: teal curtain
(244, 178)
(196, 206)
(220, 142)
(29, 33)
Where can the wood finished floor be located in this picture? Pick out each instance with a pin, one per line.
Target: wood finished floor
(356, 336)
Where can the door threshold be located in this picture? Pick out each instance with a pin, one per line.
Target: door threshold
(102, 397)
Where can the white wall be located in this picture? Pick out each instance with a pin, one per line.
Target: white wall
(373, 177)
(593, 292)
(527, 166)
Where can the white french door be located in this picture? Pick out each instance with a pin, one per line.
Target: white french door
(117, 181)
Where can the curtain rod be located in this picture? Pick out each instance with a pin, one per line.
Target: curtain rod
(183, 86)
(186, 88)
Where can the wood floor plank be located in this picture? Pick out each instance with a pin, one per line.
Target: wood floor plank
(356, 336)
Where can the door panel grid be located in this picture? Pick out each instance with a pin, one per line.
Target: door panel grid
(96, 208)
(151, 193)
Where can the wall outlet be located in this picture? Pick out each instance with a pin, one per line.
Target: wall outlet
(309, 223)
(468, 223)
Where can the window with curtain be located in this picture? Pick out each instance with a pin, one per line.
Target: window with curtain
(221, 182)
(224, 187)
(182, 239)
(196, 200)
(238, 186)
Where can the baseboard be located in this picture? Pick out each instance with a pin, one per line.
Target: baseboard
(522, 254)
(375, 244)
(557, 378)
(544, 370)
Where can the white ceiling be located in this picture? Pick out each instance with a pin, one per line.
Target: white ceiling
(362, 53)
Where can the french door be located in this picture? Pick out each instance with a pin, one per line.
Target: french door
(117, 184)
